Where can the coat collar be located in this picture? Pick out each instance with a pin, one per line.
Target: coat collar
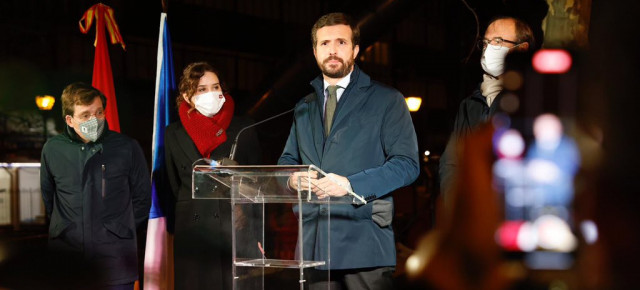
(352, 95)
(477, 96)
(351, 99)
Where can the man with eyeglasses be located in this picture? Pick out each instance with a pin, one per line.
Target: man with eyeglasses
(504, 35)
(96, 190)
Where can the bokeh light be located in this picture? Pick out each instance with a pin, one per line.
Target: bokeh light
(548, 131)
(413, 264)
(543, 171)
(508, 168)
(501, 121)
(517, 236)
(512, 80)
(552, 61)
(509, 103)
(554, 234)
(589, 231)
(510, 144)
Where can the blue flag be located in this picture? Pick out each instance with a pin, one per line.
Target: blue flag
(158, 266)
(165, 90)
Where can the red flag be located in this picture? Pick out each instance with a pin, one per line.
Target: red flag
(102, 75)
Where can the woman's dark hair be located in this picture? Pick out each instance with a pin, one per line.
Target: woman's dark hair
(191, 77)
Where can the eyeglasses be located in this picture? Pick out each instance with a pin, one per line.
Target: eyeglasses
(498, 42)
(86, 116)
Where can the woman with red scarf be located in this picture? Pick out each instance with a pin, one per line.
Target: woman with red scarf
(207, 127)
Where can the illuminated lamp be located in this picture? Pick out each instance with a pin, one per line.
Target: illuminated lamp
(552, 61)
(45, 103)
(413, 103)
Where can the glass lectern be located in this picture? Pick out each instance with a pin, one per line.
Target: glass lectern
(276, 240)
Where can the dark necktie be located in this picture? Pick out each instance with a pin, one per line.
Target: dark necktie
(332, 100)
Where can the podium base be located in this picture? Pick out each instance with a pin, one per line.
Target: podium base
(274, 263)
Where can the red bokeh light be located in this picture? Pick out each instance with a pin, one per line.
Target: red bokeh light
(552, 61)
(508, 235)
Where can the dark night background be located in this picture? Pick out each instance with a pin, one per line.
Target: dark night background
(262, 49)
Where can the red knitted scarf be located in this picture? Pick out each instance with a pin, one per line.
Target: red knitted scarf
(207, 133)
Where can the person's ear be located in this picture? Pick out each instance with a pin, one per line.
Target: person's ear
(186, 99)
(356, 49)
(524, 46)
(67, 119)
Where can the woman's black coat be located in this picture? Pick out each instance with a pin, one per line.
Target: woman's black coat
(202, 242)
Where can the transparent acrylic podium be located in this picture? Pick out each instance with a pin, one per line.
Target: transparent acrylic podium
(275, 237)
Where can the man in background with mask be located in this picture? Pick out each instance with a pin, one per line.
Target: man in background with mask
(96, 189)
(504, 35)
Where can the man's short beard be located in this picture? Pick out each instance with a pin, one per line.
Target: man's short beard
(340, 73)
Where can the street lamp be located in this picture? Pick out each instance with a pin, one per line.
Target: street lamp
(45, 103)
(413, 103)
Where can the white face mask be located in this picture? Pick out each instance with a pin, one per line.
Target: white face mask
(210, 103)
(492, 60)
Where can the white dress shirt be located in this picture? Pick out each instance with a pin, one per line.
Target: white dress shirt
(342, 85)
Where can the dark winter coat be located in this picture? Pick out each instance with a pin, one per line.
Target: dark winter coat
(472, 112)
(372, 143)
(202, 242)
(96, 195)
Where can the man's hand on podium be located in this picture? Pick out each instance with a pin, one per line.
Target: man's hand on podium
(304, 177)
(332, 185)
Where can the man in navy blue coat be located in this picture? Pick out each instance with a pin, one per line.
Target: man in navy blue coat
(364, 138)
